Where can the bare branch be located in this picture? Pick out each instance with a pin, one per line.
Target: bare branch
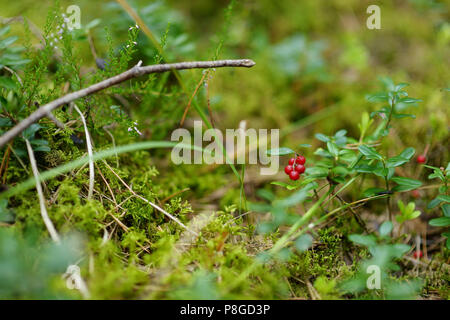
(134, 72)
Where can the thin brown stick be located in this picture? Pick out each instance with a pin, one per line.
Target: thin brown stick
(6, 155)
(134, 72)
(173, 195)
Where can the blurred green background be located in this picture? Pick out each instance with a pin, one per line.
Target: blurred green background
(311, 56)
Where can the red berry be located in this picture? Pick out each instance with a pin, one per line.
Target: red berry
(294, 175)
(300, 168)
(418, 254)
(416, 194)
(288, 169)
(421, 159)
(291, 161)
(300, 160)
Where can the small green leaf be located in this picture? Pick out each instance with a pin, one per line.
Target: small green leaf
(433, 203)
(29, 132)
(367, 241)
(446, 210)
(414, 214)
(444, 198)
(408, 153)
(333, 149)
(400, 86)
(436, 201)
(303, 242)
(378, 97)
(396, 161)
(265, 194)
(322, 137)
(340, 133)
(409, 100)
(403, 115)
(4, 30)
(372, 192)
(318, 172)
(369, 152)
(5, 122)
(405, 184)
(364, 168)
(385, 228)
(8, 41)
(260, 207)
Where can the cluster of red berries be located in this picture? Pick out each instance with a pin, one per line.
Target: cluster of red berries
(295, 167)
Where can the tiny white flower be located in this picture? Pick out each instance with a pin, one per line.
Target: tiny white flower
(311, 225)
(135, 128)
(137, 27)
(140, 133)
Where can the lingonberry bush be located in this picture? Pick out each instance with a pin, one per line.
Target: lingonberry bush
(346, 161)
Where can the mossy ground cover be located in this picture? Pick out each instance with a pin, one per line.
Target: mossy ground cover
(336, 90)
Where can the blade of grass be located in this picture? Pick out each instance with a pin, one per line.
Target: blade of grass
(90, 152)
(48, 223)
(49, 174)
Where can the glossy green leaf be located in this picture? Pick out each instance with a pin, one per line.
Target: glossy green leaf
(406, 184)
(369, 152)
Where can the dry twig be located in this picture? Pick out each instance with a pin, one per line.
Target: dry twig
(134, 72)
